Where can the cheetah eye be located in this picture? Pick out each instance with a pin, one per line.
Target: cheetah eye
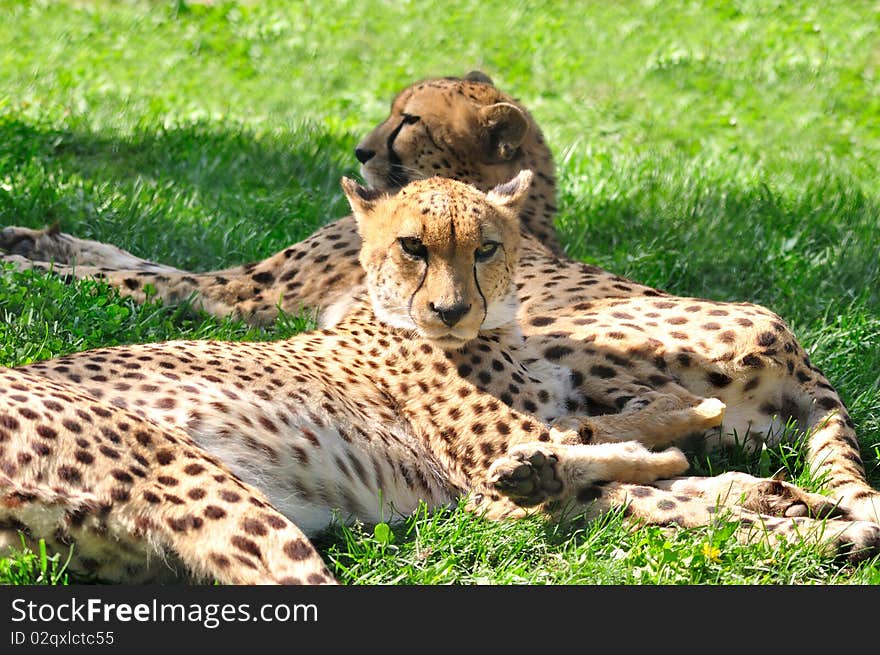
(409, 119)
(486, 251)
(413, 247)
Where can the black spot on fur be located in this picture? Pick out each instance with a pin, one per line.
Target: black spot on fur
(718, 379)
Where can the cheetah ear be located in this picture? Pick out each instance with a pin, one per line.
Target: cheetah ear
(513, 193)
(507, 126)
(362, 199)
(479, 76)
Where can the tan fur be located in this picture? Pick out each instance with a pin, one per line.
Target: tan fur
(630, 348)
(150, 453)
(135, 501)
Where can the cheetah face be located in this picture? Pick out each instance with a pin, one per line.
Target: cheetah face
(440, 255)
(465, 129)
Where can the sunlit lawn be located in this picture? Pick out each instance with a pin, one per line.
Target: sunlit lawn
(725, 150)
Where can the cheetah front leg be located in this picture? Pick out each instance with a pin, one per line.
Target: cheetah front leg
(532, 473)
(69, 257)
(219, 293)
(312, 274)
(658, 423)
(594, 479)
(135, 500)
(208, 293)
(52, 245)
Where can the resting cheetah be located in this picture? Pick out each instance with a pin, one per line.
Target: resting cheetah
(120, 449)
(628, 346)
(131, 495)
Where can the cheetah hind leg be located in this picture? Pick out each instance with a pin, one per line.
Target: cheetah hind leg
(764, 510)
(851, 540)
(767, 496)
(535, 472)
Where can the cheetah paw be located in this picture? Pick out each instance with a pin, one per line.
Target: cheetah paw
(774, 497)
(526, 475)
(793, 502)
(711, 410)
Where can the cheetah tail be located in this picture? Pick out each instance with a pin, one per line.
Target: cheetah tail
(834, 457)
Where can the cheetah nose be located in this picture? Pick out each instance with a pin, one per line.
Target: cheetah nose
(363, 155)
(450, 315)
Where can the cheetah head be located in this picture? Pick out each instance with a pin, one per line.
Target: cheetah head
(463, 128)
(440, 255)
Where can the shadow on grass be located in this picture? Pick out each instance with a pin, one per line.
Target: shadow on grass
(699, 230)
(191, 183)
(211, 194)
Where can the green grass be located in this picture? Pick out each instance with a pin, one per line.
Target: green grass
(26, 567)
(718, 149)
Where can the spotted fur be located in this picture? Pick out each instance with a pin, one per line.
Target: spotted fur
(628, 346)
(136, 501)
(148, 457)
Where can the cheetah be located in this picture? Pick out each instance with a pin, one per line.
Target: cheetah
(628, 346)
(125, 497)
(147, 453)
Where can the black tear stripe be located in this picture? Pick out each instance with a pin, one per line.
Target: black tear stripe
(413, 296)
(397, 176)
(480, 291)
